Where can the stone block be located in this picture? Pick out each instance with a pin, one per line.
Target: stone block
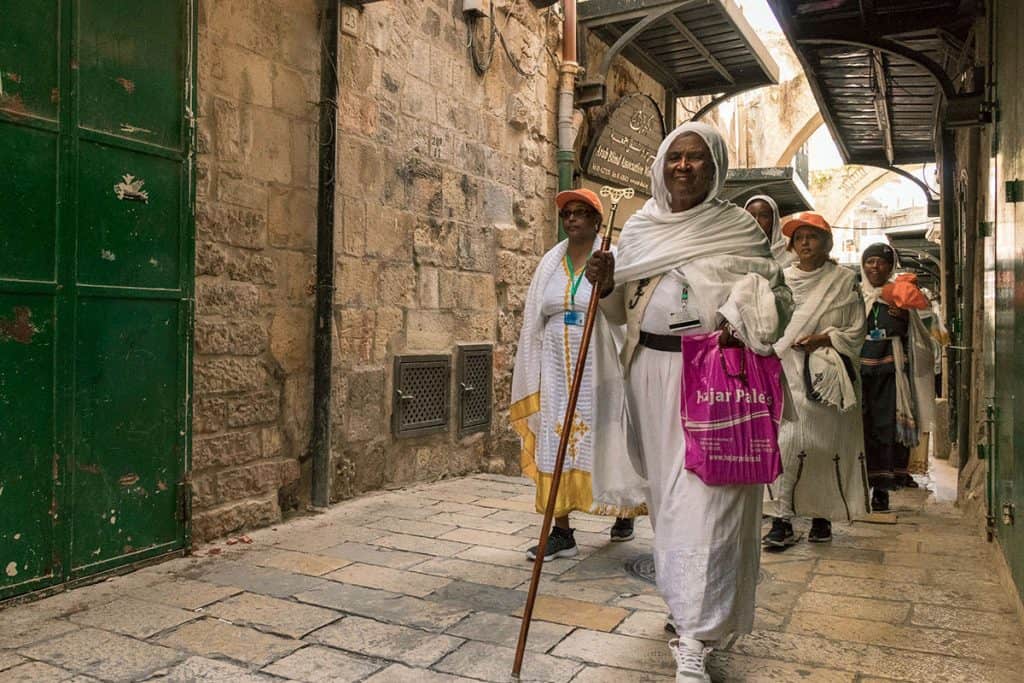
(187, 594)
(611, 649)
(245, 482)
(463, 197)
(225, 450)
(229, 299)
(515, 269)
(429, 331)
(242, 76)
(272, 615)
(355, 334)
(386, 641)
(501, 629)
(211, 259)
(239, 227)
(383, 578)
(237, 337)
(291, 218)
(245, 266)
(476, 249)
(234, 517)
(356, 282)
(241, 191)
(492, 663)
(427, 287)
(508, 237)
(436, 243)
(858, 608)
(460, 290)
(352, 224)
(269, 156)
(304, 148)
(291, 338)
(301, 562)
(578, 613)
(132, 617)
(389, 334)
(122, 658)
(371, 554)
(419, 64)
(420, 544)
(293, 92)
(385, 606)
(322, 665)
(231, 128)
(297, 273)
(205, 669)
(397, 284)
(365, 404)
(475, 572)
(209, 414)
(487, 538)
(214, 638)
(474, 326)
(421, 182)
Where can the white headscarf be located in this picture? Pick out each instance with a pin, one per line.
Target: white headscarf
(655, 239)
(779, 243)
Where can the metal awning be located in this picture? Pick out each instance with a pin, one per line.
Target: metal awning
(917, 253)
(691, 47)
(883, 72)
(781, 184)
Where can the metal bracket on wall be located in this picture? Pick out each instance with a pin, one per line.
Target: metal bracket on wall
(1014, 191)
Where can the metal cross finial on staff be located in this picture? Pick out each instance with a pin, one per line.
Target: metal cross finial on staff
(616, 195)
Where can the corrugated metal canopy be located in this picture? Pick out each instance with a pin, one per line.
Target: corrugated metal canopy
(691, 47)
(879, 69)
(780, 183)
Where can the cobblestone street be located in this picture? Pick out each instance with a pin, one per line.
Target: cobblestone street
(423, 584)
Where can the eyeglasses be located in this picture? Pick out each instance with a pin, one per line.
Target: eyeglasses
(566, 214)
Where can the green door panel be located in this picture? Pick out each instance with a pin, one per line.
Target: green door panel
(132, 241)
(129, 408)
(28, 494)
(29, 59)
(28, 221)
(131, 67)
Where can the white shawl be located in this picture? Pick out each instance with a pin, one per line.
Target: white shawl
(722, 250)
(815, 293)
(779, 243)
(615, 485)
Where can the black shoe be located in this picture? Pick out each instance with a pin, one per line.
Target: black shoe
(879, 500)
(622, 530)
(781, 535)
(909, 483)
(560, 544)
(821, 531)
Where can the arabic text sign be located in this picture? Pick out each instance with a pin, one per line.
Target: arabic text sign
(624, 149)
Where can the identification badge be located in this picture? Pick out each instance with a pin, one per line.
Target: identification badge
(682, 320)
(876, 334)
(573, 318)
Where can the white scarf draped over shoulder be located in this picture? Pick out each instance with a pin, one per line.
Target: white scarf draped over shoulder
(830, 288)
(722, 250)
(615, 486)
(778, 242)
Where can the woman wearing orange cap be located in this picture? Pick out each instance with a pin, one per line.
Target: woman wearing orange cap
(598, 477)
(823, 474)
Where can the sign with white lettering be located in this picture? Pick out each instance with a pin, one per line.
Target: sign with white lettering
(623, 148)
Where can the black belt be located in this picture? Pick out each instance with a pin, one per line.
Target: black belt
(661, 342)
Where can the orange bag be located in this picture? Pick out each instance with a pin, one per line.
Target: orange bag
(903, 293)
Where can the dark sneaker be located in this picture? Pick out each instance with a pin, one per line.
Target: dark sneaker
(560, 544)
(879, 500)
(622, 530)
(781, 535)
(821, 531)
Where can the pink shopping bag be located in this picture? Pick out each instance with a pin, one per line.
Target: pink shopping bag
(731, 404)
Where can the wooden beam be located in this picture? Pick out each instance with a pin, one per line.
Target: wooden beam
(699, 46)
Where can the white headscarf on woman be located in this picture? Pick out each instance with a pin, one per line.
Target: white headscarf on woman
(779, 243)
(721, 249)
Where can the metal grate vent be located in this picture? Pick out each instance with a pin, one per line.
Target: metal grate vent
(474, 373)
(422, 388)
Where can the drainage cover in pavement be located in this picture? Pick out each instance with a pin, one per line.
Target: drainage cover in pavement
(642, 567)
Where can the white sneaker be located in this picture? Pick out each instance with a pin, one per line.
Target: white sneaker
(691, 660)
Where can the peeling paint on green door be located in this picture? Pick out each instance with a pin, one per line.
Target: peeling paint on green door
(96, 253)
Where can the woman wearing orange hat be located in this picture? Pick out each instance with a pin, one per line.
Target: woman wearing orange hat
(823, 474)
(598, 477)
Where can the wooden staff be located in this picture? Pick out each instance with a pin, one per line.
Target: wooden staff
(616, 195)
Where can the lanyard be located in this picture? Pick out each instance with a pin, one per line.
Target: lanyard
(575, 283)
(875, 314)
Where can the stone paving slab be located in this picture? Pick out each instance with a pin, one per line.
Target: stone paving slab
(273, 615)
(423, 584)
(215, 638)
(104, 655)
(386, 641)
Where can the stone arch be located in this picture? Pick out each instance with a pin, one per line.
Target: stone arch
(800, 137)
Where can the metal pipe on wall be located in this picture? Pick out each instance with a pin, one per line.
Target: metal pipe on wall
(320, 445)
(567, 71)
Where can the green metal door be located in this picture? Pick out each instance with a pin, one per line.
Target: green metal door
(96, 273)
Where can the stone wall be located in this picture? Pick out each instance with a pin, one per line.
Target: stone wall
(255, 225)
(444, 207)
